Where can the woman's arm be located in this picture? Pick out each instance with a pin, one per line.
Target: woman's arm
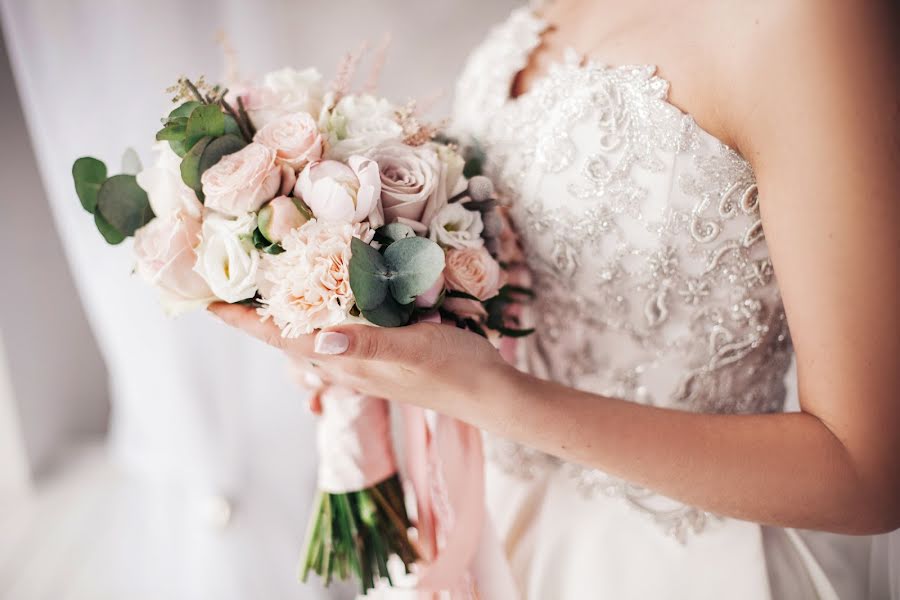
(816, 111)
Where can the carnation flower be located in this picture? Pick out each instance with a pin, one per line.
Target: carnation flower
(307, 287)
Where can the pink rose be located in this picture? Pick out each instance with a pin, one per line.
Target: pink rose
(294, 138)
(337, 193)
(279, 217)
(411, 182)
(473, 271)
(166, 253)
(242, 182)
(465, 308)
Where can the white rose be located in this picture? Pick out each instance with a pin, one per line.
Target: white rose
(165, 189)
(454, 226)
(226, 258)
(357, 124)
(283, 92)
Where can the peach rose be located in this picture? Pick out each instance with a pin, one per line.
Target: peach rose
(242, 182)
(166, 253)
(473, 271)
(294, 138)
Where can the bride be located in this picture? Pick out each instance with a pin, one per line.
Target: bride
(730, 179)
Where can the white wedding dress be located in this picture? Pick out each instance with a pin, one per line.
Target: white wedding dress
(654, 284)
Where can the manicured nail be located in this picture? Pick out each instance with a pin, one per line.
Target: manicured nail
(331, 342)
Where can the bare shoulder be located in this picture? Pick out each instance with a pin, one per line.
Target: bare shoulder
(784, 59)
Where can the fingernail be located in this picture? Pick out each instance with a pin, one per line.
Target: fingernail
(331, 342)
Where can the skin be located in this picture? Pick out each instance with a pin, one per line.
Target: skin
(808, 93)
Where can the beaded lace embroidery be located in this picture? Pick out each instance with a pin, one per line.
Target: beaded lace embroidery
(653, 280)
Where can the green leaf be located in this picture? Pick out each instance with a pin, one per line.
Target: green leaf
(89, 174)
(414, 265)
(190, 166)
(393, 232)
(219, 147)
(172, 131)
(389, 313)
(185, 110)
(368, 276)
(231, 126)
(131, 162)
(206, 120)
(123, 204)
(112, 235)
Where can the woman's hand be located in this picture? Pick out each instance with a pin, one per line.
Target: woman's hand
(431, 365)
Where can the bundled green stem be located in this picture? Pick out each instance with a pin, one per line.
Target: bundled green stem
(356, 532)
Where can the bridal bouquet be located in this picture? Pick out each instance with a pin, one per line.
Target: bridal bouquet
(318, 207)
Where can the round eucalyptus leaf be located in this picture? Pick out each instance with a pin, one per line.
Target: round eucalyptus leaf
(389, 313)
(393, 232)
(184, 110)
(123, 204)
(414, 265)
(131, 162)
(231, 126)
(206, 120)
(368, 275)
(190, 165)
(89, 174)
(112, 235)
(217, 148)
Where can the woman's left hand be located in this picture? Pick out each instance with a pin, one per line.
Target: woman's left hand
(427, 364)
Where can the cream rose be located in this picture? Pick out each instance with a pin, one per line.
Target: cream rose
(242, 182)
(411, 190)
(226, 258)
(473, 271)
(307, 287)
(358, 123)
(165, 252)
(454, 226)
(284, 92)
(294, 138)
(336, 192)
(165, 189)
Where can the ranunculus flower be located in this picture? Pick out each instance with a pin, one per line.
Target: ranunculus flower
(165, 189)
(294, 138)
(284, 92)
(337, 193)
(358, 123)
(165, 251)
(242, 182)
(308, 285)
(454, 226)
(279, 217)
(473, 271)
(226, 257)
(411, 176)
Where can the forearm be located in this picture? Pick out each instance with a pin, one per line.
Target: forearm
(784, 469)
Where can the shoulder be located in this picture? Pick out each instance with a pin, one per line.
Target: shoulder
(798, 63)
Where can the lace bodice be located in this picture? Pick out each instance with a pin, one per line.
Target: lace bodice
(653, 279)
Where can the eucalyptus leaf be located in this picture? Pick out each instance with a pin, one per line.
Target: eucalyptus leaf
(368, 275)
(123, 204)
(206, 120)
(231, 126)
(389, 313)
(190, 165)
(185, 110)
(414, 266)
(89, 174)
(112, 235)
(131, 162)
(172, 131)
(393, 232)
(217, 148)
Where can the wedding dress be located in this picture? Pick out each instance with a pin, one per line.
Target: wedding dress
(654, 284)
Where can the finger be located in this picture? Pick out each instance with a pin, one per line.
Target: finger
(397, 344)
(247, 319)
(315, 402)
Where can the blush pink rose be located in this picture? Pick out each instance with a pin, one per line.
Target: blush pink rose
(294, 138)
(165, 249)
(473, 271)
(338, 193)
(242, 182)
(279, 217)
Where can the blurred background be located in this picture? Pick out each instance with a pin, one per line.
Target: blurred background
(134, 461)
